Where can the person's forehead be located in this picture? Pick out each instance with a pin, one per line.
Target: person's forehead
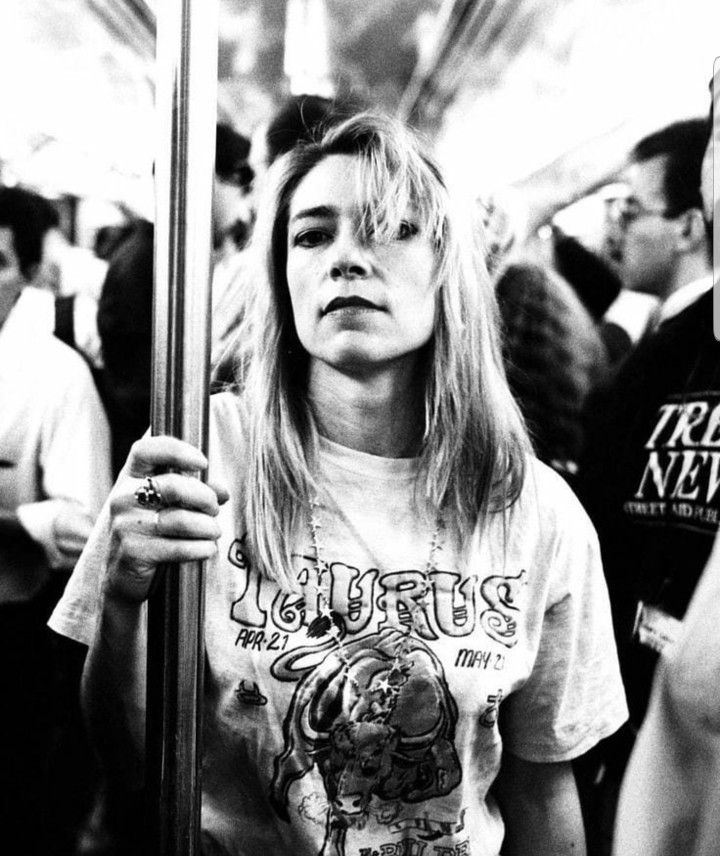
(646, 179)
(333, 182)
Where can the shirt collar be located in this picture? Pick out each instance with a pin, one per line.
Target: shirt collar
(683, 297)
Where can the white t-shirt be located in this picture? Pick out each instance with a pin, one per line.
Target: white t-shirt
(54, 440)
(514, 649)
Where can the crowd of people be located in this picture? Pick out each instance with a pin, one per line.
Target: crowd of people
(460, 505)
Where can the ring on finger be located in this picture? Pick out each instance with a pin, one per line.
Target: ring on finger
(148, 495)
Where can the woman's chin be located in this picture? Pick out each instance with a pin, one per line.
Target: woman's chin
(363, 362)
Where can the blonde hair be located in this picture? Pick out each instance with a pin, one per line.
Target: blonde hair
(474, 447)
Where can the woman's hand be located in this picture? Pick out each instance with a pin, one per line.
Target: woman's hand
(182, 529)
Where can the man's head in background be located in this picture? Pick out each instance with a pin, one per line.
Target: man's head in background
(296, 120)
(232, 210)
(657, 236)
(300, 118)
(25, 219)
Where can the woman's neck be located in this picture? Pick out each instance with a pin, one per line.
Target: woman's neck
(380, 413)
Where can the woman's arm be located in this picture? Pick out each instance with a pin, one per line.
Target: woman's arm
(540, 807)
(113, 691)
(184, 529)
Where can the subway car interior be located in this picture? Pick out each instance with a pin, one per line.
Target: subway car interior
(578, 137)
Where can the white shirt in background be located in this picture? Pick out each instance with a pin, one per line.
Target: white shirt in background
(54, 438)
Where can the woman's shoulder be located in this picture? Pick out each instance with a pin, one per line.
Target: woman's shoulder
(547, 497)
(228, 424)
(226, 406)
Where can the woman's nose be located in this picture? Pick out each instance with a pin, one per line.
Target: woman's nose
(348, 269)
(349, 260)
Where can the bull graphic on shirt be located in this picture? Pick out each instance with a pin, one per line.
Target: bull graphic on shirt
(371, 730)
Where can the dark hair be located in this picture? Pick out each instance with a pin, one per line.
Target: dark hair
(553, 356)
(594, 281)
(684, 144)
(304, 118)
(29, 216)
(109, 238)
(231, 152)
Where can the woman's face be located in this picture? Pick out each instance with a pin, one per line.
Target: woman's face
(358, 304)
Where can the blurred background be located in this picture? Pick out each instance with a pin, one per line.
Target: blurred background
(533, 101)
(531, 106)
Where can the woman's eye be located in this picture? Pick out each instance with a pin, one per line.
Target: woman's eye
(406, 230)
(309, 238)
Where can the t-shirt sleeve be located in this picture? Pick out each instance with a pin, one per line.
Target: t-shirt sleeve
(574, 695)
(76, 613)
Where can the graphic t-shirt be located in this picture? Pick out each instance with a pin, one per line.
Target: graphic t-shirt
(315, 748)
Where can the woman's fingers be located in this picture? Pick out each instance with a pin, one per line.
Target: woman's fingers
(145, 554)
(180, 523)
(179, 491)
(221, 492)
(176, 491)
(142, 539)
(151, 455)
(136, 532)
(173, 519)
(134, 560)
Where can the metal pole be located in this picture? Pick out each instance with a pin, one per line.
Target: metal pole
(186, 92)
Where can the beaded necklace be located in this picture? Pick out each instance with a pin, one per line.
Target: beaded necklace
(328, 622)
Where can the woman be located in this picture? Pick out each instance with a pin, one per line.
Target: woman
(391, 598)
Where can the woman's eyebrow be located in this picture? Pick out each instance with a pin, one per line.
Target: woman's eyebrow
(317, 211)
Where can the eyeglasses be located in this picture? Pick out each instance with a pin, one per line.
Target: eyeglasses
(624, 210)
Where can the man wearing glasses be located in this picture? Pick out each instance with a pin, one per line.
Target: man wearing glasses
(672, 789)
(656, 234)
(650, 478)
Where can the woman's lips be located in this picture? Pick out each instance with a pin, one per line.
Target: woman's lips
(350, 302)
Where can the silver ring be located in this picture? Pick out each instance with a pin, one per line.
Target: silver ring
(148, 496)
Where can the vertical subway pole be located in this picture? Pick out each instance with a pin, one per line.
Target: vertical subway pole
(186, 98)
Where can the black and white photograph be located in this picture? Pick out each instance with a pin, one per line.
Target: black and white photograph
(359, 428)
